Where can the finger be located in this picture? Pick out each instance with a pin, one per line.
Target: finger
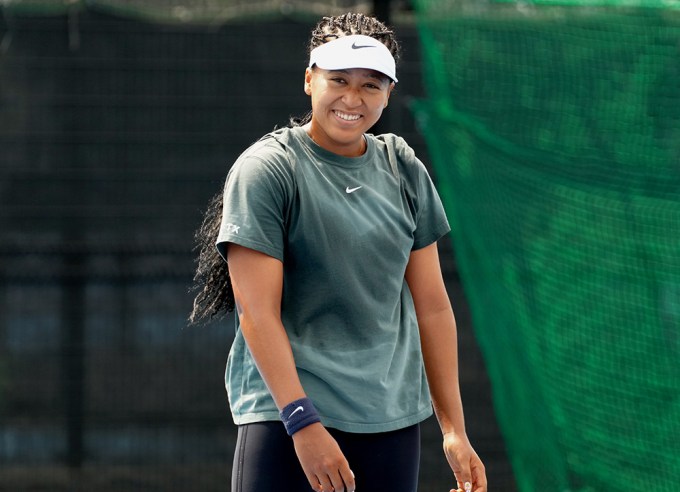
(347, 477)
(337, 483)
(464, 477)
(479, 476)
(480, 486)
(325, 484)
(318, 487)
(314, 482)
(343, 480)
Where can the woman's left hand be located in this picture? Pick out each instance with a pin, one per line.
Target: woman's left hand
(466, 465)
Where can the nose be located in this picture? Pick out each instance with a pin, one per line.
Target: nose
(352, 98)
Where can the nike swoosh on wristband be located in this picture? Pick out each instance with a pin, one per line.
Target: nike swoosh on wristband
(351, 190)
(356, 46)
(298, 409)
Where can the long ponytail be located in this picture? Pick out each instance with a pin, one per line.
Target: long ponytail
(215, 296)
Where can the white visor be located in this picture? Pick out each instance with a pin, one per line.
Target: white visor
(355, 51)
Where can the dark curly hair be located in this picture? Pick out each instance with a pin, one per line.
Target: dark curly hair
(330, 28)
(215, 296)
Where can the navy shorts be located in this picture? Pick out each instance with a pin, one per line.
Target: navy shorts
(265, 459)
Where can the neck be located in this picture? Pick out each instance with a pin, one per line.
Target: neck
(346, 150)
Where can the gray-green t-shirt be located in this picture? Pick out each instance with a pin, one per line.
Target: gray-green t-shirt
(343, 228)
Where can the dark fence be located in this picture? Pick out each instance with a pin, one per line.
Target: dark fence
(114, 134)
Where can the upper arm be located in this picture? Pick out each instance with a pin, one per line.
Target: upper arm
(257, 280)
(256, 201)
(425, 281)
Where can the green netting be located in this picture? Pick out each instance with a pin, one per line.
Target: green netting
(598, 3)
(555, 136)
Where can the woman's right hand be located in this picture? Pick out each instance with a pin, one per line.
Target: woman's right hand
(322, 460)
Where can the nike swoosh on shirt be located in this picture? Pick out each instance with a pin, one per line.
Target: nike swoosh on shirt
(351, 190)
(298, 409)
(356, 46)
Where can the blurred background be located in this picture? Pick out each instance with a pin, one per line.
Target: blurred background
(552, 130)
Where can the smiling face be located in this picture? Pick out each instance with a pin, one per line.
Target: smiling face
(345, 104)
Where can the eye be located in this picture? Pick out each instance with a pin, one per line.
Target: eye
(338, 80)
(371, 86)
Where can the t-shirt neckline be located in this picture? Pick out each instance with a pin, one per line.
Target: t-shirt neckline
(331, 157)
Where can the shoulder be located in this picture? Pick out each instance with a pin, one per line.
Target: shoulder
(400, 154)
(266, 156)
(268, 147)
(397, 143)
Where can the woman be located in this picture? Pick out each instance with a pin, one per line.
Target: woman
(345, 334)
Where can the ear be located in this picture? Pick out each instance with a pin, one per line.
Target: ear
(308, 81)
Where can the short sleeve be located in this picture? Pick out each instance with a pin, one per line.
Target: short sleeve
(257, 192)
(431, 220)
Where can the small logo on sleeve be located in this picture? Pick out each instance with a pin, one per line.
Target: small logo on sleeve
(352, 190)
(232, 228)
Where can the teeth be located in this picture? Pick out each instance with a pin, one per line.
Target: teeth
(348, 117)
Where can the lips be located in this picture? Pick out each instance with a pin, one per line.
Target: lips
(346, 116)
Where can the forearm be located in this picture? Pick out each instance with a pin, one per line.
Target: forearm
(257, 280)
(440, 354)
(269, 345)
